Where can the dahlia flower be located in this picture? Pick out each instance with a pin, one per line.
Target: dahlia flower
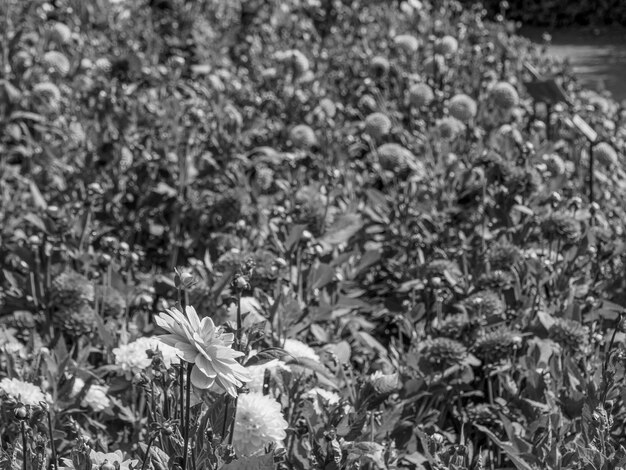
(98, 458)
(259, 422)
(96, 397)
(257, 373)
(206, 346)
(27, 393)
(300, 350)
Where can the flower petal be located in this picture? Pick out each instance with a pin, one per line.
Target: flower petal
(199, 380)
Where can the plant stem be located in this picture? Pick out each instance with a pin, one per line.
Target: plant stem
(145, 460)
(23, 445)
(52, 445)
(187, 415)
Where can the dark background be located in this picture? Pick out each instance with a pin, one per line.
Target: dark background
(557, 13)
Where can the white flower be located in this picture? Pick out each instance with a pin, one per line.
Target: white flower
(259, 422)
(27, 393)
(201, 343)
(257, 373)
(98, 458)
(321, 398)
(133, 357)
(96, 397)
(299, 350)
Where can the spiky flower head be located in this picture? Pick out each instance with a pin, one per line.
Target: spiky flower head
(367, 103)
(377, 125)
(420, 94)
(497, 345)
(504, 95)
(379, 65)
(264, 177)
(302, 136)
(485, 303)
(605, 155)
(555, 164)
(205, 346)
(569, 333)
(441, 353)
(443, 269)
(103, 65)
(503, 255)
(60, 33)
(455, 327)
(449, 128)
(434, 65)
(497, 279)
(462, 107)
(47, 91)
(259, 422)
(56, 61)
(111, 302)
(70, 290)
(408, 43)
(398, 159)
(447, 45)
(561, 226)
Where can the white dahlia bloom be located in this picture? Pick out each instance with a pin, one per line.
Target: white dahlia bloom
(133, 357)
(257, 373)
(96, 397)
(299, 350)
(114, 458)
(206, 346)
(259, 422)
(321, 398)
(27, 393)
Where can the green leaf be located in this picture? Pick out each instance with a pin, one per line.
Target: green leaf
(511, 452)
(259, 462)
(344, 228)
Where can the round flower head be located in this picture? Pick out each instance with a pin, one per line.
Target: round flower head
(379, 65)
(298, 350)
(440, 353)
(98, 459)
(569, 333)
(494, 346)
(407, 43)
(103, 64)
(420, 95)
(399, 160)
(259, 422)
(27, 393)
(462, 107)
(605, 155)
(60, 33)
(47, 91)
(302, 136)
(201, 343)
(367, 103)
(257, 373)
(434, 65)
(449, 128)
(447, 45)
(96, 397)
(377, 125)
(57, 61)
(504, 95)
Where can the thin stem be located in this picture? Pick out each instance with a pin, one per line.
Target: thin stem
(52, 445)
(145, 460)
(23, 445)
(187, 415)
